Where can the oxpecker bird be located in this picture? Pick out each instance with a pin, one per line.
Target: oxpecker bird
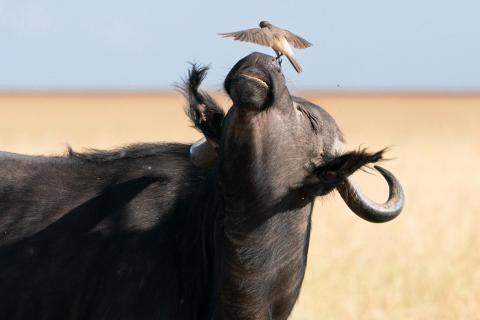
(280, 40)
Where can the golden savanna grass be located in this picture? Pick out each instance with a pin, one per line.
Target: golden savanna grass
(423, 265)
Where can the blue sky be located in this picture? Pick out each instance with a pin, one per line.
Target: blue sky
(146, 44)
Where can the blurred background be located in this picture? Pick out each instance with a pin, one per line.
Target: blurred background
(99, 74)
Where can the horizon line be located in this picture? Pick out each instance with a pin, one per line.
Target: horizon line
(172, 91)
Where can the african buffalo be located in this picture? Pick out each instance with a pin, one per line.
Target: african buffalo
(217, 230)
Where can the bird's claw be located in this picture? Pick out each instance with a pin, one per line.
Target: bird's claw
(279, 58)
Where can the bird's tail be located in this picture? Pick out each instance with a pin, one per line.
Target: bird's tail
(294, 63)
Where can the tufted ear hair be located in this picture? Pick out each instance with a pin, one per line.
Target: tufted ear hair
(205, 114)
(336, 169)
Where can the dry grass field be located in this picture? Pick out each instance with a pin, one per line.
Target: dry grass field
(423, 265)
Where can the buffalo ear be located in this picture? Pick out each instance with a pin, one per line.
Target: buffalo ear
(335, 170)
(208, 120)
(205, 114)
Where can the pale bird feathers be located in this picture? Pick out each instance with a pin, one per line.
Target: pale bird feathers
(264, 37)
(296, 41)
(280, 40)
(261, 36)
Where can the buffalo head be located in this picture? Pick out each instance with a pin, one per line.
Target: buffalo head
(276, 149)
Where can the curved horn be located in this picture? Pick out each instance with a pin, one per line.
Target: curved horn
(368, 209)
(202, 153)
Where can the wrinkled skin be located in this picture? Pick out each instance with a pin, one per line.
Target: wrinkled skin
(274, 135)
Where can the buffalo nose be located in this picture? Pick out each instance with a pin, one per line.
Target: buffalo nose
(267, 60)
(275, 64)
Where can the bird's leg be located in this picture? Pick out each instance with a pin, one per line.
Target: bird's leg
(279, 55)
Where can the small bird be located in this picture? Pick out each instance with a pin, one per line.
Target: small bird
(274, 37)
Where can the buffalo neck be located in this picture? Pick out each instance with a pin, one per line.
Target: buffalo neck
(266, 228)
(263, 264)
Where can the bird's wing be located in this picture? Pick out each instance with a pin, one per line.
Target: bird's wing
(261, 36)
(296, 41)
